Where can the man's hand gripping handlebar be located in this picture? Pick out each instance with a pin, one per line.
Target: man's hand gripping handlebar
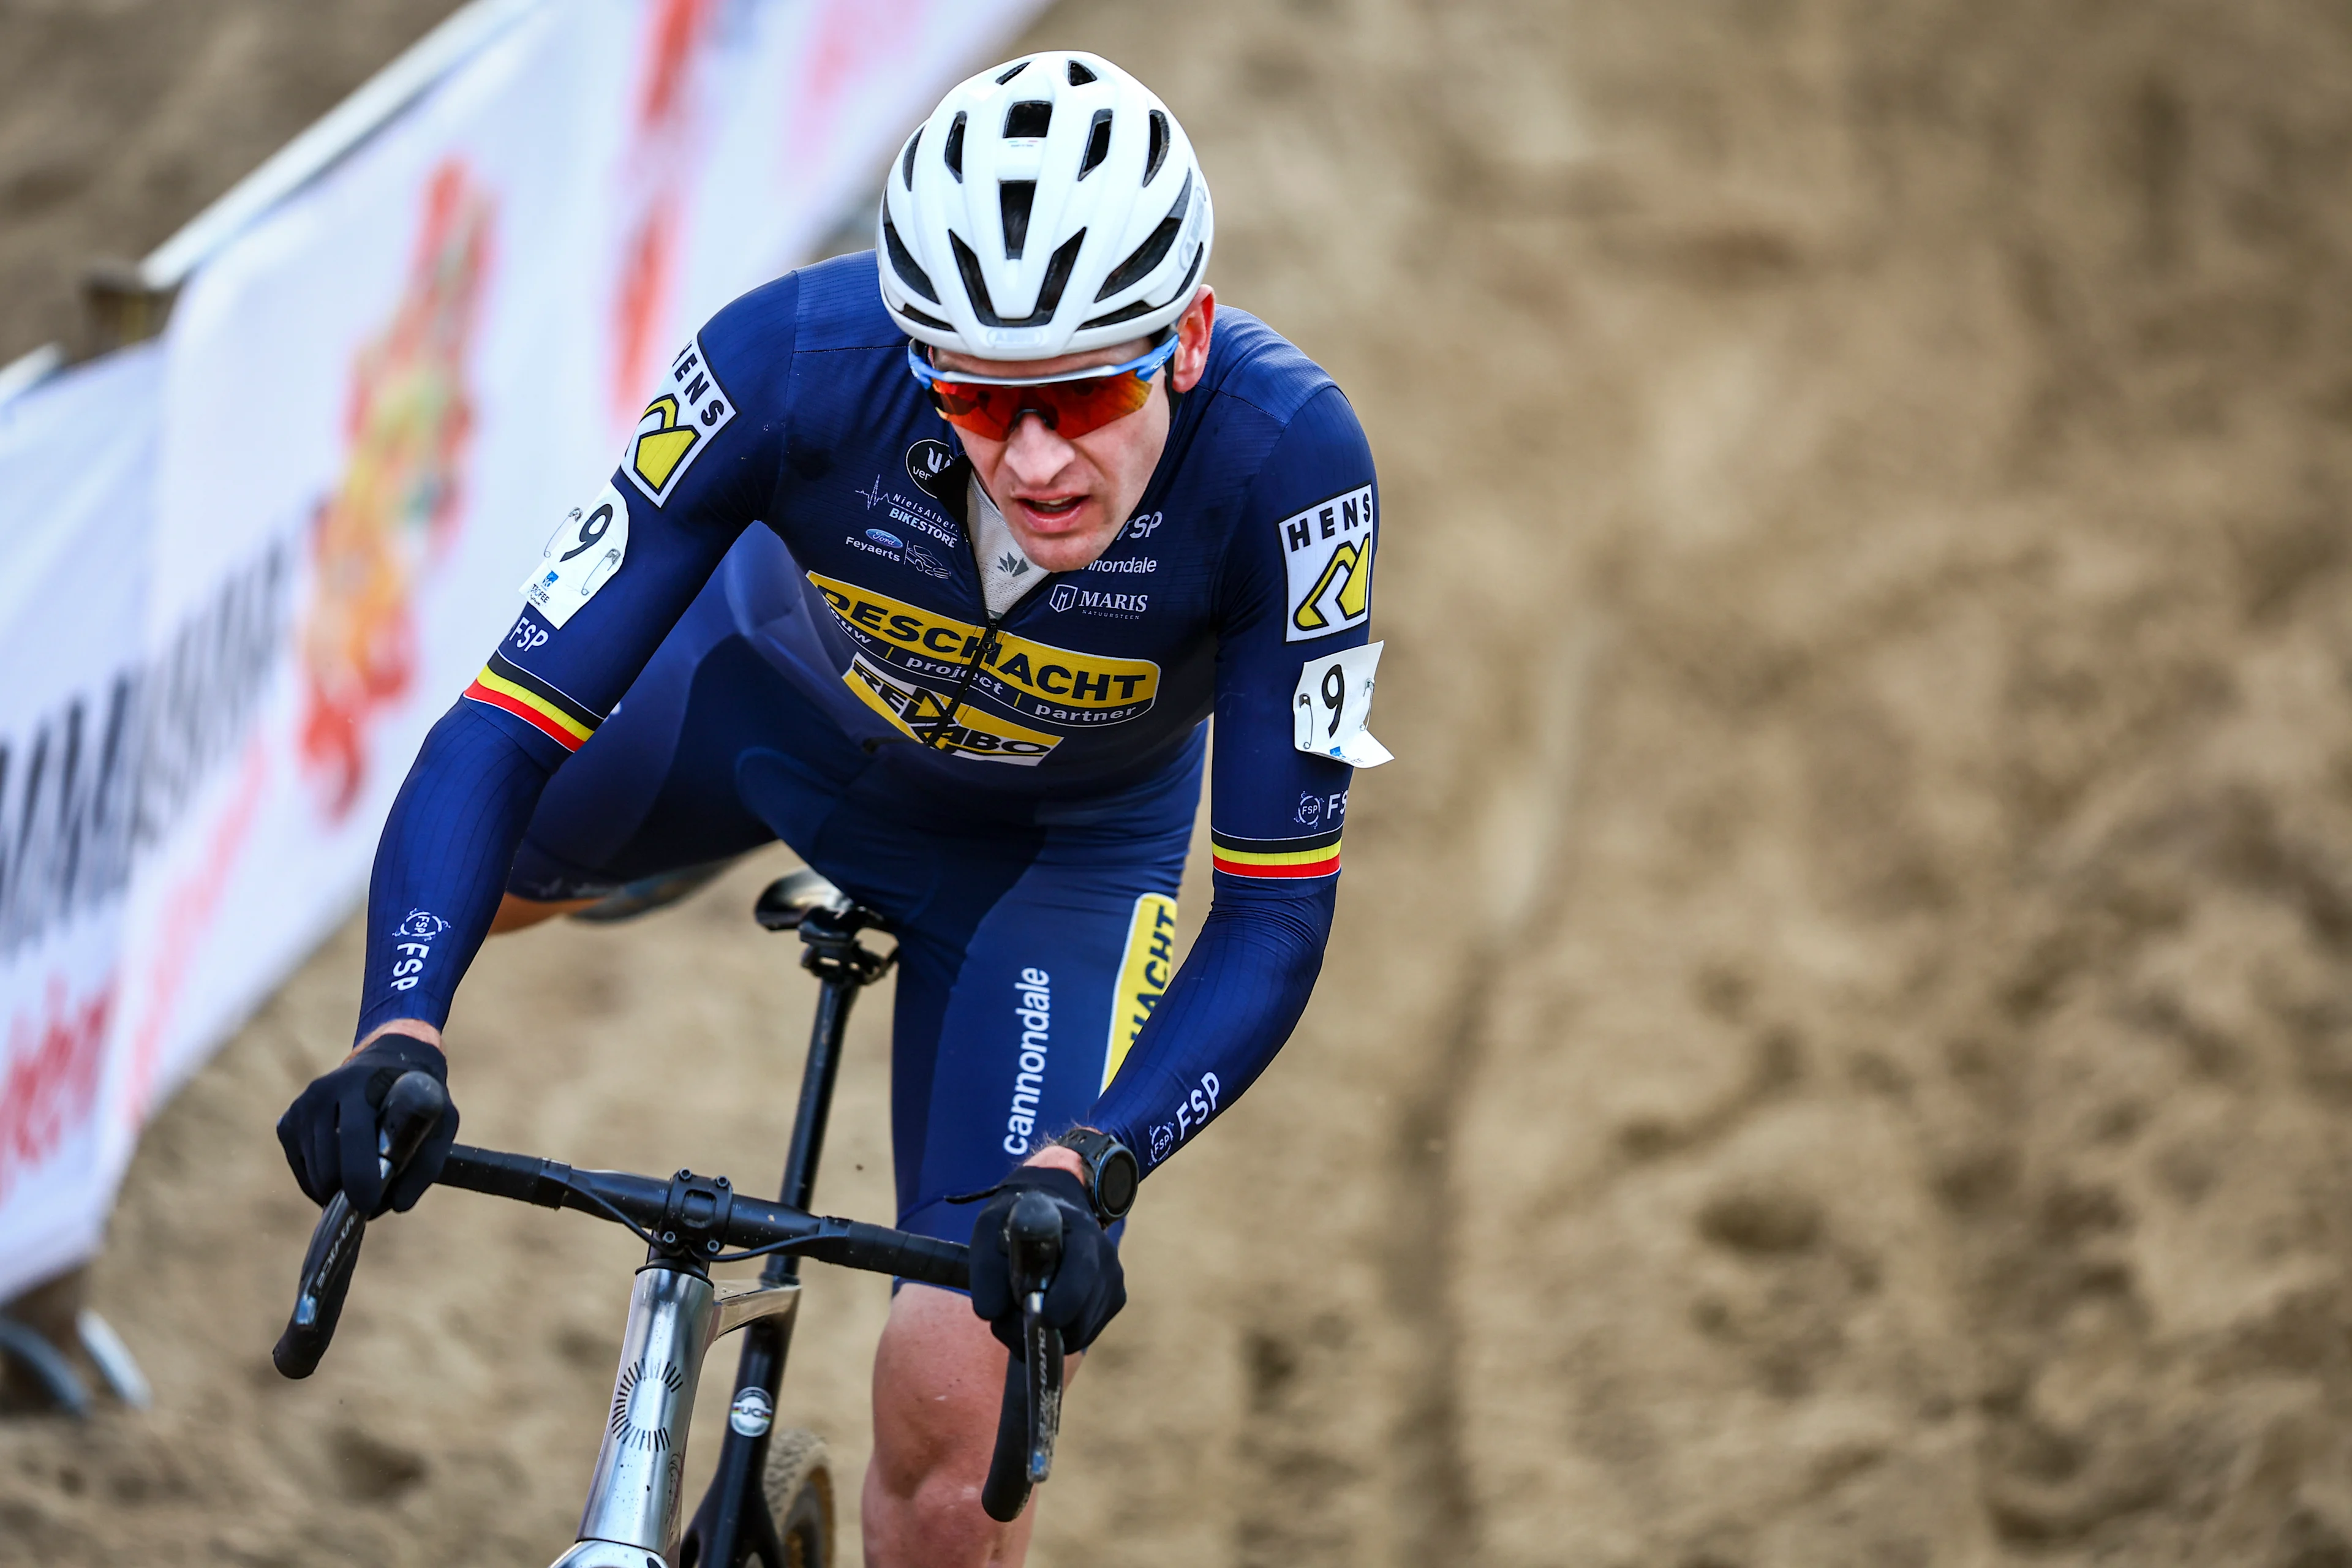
(1032, 1410)
(412, 1109)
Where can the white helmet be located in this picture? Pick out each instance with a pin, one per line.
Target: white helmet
(1049, 206)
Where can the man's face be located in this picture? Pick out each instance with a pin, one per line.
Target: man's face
(1065, 498)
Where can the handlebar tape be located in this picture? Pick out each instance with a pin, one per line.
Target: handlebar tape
(411, 1109)
(525, 1178)
(882, 1250)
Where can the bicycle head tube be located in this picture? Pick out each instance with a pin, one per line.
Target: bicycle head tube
(631, 1520)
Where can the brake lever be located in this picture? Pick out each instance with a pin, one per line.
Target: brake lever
(412, 1109)
(1043, 1342)
(1030, 1415)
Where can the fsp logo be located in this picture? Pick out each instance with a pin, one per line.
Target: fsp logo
(677, 425)
(420, 927)
(1328, 554)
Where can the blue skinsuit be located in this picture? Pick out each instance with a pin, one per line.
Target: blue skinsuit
(1015, 796)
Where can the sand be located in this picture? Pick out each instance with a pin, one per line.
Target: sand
(1838, 1045)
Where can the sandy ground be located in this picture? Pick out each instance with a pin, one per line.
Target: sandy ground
(1838, 1049)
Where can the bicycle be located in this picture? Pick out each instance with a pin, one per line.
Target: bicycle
(771, 1501)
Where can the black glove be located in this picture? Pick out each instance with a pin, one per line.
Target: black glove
(1088, 1289)
(330, 1131)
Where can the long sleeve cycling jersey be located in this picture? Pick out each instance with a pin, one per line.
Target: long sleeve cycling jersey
(1249, 559)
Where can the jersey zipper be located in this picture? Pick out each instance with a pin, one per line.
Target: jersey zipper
(938, 730)
(939, 727)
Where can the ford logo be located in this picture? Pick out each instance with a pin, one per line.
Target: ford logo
(885, 538)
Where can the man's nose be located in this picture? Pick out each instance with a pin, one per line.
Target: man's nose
(1036, 450)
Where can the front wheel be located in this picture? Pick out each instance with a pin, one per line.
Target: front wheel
(799, 1488)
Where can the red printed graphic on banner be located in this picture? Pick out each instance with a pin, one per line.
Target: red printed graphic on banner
(410, 423)
(657, 170)
(187, 920)
(848, 40)
(51, 1082)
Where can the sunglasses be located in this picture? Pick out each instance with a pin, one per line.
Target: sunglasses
(989, 407)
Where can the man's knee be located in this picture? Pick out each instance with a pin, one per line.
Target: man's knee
(939, 1375)
(939, 1382)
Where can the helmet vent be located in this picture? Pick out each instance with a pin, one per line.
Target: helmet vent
(953, 151)
(903, 263)
(1152, 251)
(1018, 67)
(1027, 117)
(1159, 147)
(1097, 139)
(975, 286)
(1057, 277)
(1080, 75)
(1049, 296)
(1014, 198)
(906, 163)
(1128, 312)
(924, 318)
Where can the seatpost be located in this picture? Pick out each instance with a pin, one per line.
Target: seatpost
(837, 988)
(732, 1519)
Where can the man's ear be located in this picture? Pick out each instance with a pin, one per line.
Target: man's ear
(1192, 329)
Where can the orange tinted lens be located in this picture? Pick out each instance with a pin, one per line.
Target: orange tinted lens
(986, 411)
(1090, 405)
(1069, 407)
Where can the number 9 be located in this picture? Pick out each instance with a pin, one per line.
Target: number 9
(591, 529)
(1335, 697)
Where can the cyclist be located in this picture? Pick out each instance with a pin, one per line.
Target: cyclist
(1035, 508)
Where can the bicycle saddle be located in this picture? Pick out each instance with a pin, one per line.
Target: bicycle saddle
(789, 900)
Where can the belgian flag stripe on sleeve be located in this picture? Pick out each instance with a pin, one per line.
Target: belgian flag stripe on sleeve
(505, 684)
(1317, 855)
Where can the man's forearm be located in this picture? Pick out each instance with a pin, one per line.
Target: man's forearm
(1229, 1008)
(441, 867)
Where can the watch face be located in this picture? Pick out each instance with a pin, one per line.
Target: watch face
(1115, 1184)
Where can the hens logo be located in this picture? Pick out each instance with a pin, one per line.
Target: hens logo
(928, 462)
(1327, 551)
(677, 426)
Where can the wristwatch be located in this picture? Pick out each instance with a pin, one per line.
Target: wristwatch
(1112, 1171)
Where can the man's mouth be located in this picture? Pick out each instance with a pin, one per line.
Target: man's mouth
(1050, 510)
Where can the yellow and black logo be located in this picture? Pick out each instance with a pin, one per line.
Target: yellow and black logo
(923, 715)
(1037, 680)
(677, 425)
(1348, 573)
(1327, 553)
(662, 444)
(1143, 976)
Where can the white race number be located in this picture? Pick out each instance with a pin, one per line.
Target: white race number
(581, 557)
(1334, 702)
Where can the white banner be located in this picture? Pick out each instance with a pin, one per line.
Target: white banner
(292, 535)
(76, 462)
